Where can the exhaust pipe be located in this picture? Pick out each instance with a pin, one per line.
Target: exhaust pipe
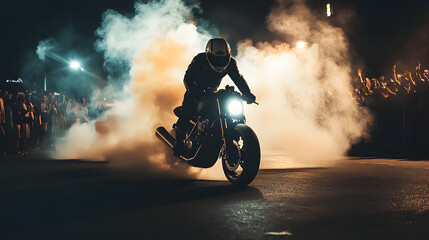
(165, 136)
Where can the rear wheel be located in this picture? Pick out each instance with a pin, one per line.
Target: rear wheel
(241, 163)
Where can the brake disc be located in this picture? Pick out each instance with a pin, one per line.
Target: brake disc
(233, 162)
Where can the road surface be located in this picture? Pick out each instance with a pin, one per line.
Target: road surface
(354, 199)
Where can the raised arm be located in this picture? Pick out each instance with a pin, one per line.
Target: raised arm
(237, 78)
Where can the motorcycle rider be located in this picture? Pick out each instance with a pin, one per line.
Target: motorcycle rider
(203, 77)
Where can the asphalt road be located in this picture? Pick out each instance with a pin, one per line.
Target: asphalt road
(355, 199)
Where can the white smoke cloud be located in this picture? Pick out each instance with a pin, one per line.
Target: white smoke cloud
(305, 109)
(157, 43)
(305, 92)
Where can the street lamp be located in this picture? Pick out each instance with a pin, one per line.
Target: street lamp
(75, 65)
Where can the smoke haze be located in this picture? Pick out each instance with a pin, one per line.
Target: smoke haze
(305, 106)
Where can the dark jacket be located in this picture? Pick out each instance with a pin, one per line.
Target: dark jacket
(201, 78)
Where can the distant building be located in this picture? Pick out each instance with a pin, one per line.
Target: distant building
(12, 85)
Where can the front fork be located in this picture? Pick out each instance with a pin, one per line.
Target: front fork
(226, 134)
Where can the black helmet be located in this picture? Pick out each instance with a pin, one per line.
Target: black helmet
(218, 54)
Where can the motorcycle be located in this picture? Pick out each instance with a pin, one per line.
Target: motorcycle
(219, 130)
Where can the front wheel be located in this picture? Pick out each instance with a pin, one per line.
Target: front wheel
(241, 162)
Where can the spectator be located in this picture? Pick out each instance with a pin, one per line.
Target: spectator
(18, 112)
(2, 122)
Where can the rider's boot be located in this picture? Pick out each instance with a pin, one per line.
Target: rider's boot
(179, 147)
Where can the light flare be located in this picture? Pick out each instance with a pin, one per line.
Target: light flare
(75, 65)
(301, 44)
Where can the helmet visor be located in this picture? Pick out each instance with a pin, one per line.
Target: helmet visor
(218, 61)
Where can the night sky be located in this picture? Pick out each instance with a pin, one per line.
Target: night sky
(381, 32)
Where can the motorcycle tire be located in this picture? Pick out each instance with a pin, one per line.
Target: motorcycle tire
(248, 157)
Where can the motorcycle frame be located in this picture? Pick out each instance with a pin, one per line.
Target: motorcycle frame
(223, 124)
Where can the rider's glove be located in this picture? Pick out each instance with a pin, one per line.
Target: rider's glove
(250, 98)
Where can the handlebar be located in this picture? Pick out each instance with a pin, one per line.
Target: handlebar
(248, 101)
(230, 90)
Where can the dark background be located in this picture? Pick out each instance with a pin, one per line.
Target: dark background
(381, 32)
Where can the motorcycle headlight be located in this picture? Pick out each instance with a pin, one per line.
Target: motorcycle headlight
(235, 107)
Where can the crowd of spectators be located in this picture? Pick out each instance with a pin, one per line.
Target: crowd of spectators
(31, 120)
(399, 103)
(397, 85)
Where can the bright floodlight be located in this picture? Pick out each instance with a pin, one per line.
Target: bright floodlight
(328, 10)
(301, 44)
(75, 65)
